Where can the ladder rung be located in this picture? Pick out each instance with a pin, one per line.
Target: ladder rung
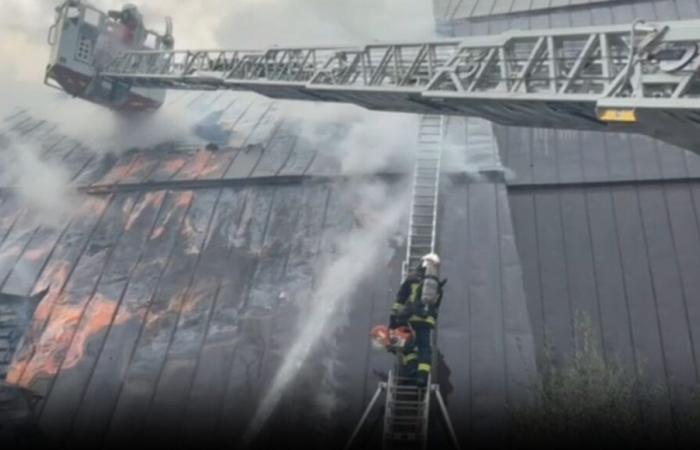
(406, 420)
(407, 402)
(404, 437)
(404, 388)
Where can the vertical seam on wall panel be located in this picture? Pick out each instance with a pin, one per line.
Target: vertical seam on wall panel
(292, 150)
(185, 293)
(252, 131)
(129, 361)
(276, 128)
(589, 229)
(114, 315)
(567, 273)
(656, 301)
(18, 260)
(684, 296)
(49, 256)
(244, 305)
(502, 290)
(264, 358)
(84, 309)
(49, 315)
(545, 335)
(205, 337)
(81, 317)
(624, 280)
(470, 391)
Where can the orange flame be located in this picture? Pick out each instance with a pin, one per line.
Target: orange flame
(117, 172)
(55, 277)
(174, 165)
(136, 166)
(36, 254)
(63, 343)
(152, 199)
(182, 200)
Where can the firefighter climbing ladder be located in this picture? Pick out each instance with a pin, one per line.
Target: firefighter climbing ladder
(639, 78)
(407, 407)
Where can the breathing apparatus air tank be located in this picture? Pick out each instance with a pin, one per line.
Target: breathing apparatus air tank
(430, 291)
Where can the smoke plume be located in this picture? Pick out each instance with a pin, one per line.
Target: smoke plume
(42, 187)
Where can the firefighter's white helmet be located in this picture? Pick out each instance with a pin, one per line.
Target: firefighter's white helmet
(430, 258)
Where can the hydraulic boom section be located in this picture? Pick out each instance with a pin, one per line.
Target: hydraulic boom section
(641, 78)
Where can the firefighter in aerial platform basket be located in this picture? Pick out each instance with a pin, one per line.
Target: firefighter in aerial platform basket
(134, 29)
(417, 304)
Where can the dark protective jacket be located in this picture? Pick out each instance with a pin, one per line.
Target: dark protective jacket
(408, 308)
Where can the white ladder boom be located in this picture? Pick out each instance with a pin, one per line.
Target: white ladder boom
(638, 78)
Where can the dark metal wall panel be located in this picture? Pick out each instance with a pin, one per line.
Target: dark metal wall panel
(644, 318)
(539, 156)
(672, 307)
(172, 392)
(629, 255)
(129, 418)
(278, 151)
(567, 147)
(34, 357)
(646, 158)
(544, 150)
(459, 19)
(67, 391)
(300, 159)
(522, 208)
(14, 244)
(579, 259)
(72, 306)
(10, 212)
(619, 156)
(31, 263)
(521, 372)
(594, 156)
(602, 158)
(556, 305)
(201, 414)
(488, 377)
(516, 145)
(239, 395)
(610, 287)
(102, 390)
(456, 308)
(195, 163)
(682, 214)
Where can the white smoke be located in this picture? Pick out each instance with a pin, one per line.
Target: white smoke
(102, 130)
(369, 142)
(327, 309)
(470, 147)
(42, 187)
